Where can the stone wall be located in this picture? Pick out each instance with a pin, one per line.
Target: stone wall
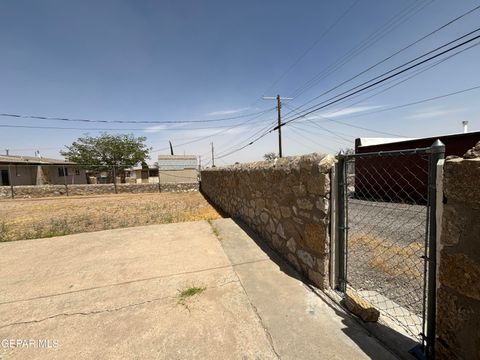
(286, 202)
(37, 191)
(458, 296)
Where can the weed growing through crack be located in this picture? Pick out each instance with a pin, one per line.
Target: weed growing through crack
(184, 295)
(214, 229)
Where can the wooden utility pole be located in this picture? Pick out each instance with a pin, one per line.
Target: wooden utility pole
(279, 106)
(279, 126)
(213, 156)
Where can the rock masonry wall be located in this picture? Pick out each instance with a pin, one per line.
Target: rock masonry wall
(38, 191)
(286, 202)
(458, 296)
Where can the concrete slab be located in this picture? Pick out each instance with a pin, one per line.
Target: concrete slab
(300, 324)
(114, 295)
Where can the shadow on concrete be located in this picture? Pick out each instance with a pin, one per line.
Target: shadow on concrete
(398, 343)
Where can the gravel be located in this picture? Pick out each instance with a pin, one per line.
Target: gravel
(386, 242)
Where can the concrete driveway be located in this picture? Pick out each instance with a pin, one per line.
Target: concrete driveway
(116, 295)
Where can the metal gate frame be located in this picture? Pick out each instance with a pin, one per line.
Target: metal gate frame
(436, 153)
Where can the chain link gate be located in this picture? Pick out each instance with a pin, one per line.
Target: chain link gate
(387, 236)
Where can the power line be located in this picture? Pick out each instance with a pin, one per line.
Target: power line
(310, 48)
(248, 138)
(129, 129)
(418, 102)
(320, 135)
(133, 121)
(392, 70)
(214, 134)
(365, 88)
(414, 74)
(106, 129)
(348, 93)
(396, 53)
(306, 136)
(373, 38)
(338, 135)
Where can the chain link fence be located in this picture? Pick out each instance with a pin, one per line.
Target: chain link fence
(387, 234)
(387, 221)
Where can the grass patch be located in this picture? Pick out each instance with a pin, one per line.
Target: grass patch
(392, 259)
(185, 294)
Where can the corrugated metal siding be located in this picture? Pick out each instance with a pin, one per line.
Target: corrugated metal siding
(177, 164)
(414, 182)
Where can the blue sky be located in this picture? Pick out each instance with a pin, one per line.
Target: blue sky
(188, 60)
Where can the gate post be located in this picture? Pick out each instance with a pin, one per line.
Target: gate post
(437, 152)
(341, 227)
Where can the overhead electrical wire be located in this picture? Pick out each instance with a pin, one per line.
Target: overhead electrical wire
(406, 78)
(418, 102)
(452, 21)
(315, 43)
(213, 134)
(334, 133)
(246, 139)
(372, 39)
(108, 129)
(134, 121)
(365, 87)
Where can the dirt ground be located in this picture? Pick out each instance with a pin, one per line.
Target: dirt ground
(47, 217)
(386, 242)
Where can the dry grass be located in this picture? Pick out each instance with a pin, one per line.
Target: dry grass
(47, 217)
(389, 258)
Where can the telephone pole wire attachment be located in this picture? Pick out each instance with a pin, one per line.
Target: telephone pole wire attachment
(279, 113)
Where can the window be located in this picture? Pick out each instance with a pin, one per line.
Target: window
(61, 172)
(77, 172)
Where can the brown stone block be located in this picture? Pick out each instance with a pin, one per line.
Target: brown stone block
(360, 307)
(457, 326)
(460, 273)
(317, 278)
(462, 180)
(315, 237)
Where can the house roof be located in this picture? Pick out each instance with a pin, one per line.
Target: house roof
(380, 141)
(361, 142)
(19, 159)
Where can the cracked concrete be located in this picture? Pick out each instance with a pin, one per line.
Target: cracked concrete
(114, 295)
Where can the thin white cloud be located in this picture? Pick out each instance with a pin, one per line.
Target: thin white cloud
(427, 114)
(155, 128)
(228, 112)
(349, 111)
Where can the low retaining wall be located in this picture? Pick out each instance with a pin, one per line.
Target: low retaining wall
(286, 202)
(37, 191)
(458, 302)
(179, 187)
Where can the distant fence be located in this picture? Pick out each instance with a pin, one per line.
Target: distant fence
(29, 180)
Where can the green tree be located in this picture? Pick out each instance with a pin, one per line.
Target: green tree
(124, 150)
(271, 156)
